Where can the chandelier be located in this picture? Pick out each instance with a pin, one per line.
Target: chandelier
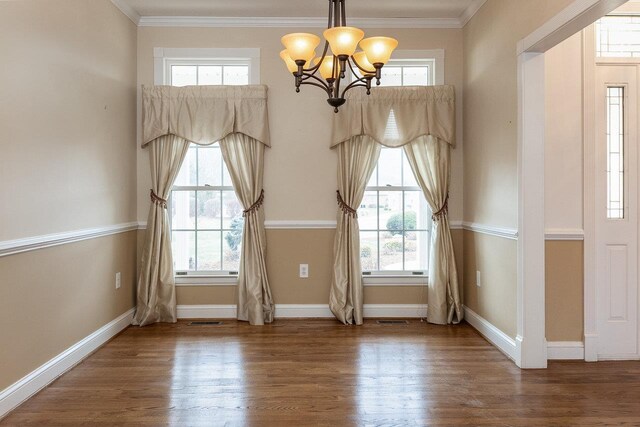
(300, 52)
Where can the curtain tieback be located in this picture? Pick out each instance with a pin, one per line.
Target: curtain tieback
(442, 211)
(346, 209)
(158, 200)
(255, 206)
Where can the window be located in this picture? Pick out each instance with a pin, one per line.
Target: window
(408, 73)
(618, 36)
(615, 152)
(205, 214)
(394, 217)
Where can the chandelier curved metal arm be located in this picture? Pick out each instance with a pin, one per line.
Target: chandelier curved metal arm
(342, 62)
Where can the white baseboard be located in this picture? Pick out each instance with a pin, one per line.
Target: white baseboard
(495, 336)
(565, 350)
(17, 393)
(320, 311)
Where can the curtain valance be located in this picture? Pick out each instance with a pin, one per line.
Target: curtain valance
(417, 111)
(204, 114)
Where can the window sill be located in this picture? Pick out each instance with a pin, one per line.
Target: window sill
(394, 280)
(197, 280)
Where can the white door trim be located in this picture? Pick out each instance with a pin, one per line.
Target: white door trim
(531, 347)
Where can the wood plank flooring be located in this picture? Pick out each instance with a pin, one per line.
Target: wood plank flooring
(319, 372)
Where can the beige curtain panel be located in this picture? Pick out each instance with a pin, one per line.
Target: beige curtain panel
(244, 156)
(156, 283)
(422, 120)
(172, 119)
(357, 158)
(430, 161)
(418, 111)
(204, 114)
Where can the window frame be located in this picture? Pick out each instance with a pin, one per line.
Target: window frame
(435, 59)
(164, 59)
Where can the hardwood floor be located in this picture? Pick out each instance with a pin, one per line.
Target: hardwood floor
(318, 372)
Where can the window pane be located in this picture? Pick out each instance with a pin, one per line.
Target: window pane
(368, 211)
(390, 167)
(391, 247)
(209, 75)
(209, 166)
(231, 247)
(209, 210)
(411, 210)
(416, 247)
(188, 170)
(184, 75)
(184, 250)
(369, 250)
(618, 36)
(390, 211)
(231, 209)
(415, 76)
(236, 75)
(391, 76)
(226, 178)
(183, 210)
(209, 250)
(615, 152)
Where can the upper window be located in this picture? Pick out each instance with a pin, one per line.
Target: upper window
(205, 214)
(618, 36)
(394, 216)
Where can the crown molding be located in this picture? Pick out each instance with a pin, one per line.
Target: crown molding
(470, 11)
(292, 22)
(129, 11)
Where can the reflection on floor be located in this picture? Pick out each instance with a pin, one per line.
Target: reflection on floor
(319, 372)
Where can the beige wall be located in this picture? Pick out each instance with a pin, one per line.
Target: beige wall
(564, 189)
(289, 248)
(52, 298)
(490, 162)
(495, 299)
(67, 116)
(300, 169)
(563, 163)
(67, 162)
(564, 287)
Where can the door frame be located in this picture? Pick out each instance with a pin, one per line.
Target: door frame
(531, 344)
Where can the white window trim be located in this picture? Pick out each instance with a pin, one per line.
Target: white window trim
(408, 57)
(162, 58)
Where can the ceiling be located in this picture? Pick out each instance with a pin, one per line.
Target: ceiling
(391, 13)
(300, 8)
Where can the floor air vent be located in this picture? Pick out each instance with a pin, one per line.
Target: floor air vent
(205, 323)
(393, 322)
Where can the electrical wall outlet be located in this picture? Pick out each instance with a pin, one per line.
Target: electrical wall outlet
(304, 271)
(478, 278)
(118, 283)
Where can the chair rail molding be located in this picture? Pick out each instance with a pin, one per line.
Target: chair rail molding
(12, 247)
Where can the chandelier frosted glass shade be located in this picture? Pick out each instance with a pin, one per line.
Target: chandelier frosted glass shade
(326, 68)
(363, 63)
(343, 40)
(341, 65)
(378, 49)
(301, 46)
